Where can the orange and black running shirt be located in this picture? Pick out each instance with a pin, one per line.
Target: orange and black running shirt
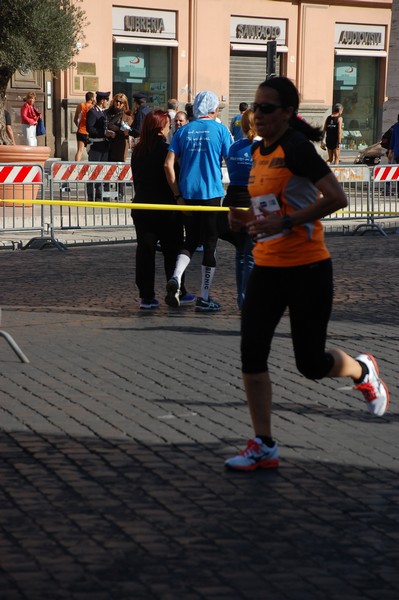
(289, 169)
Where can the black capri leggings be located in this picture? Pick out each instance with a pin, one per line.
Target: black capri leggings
(307, 292)
(202, 228)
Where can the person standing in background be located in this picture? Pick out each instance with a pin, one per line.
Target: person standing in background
(189, 109)
(150, 185)
(29, 118)
(96, 123)
(141, 109)
(173, 106)
(119, 122)
(235, 124)
(239, 163)
(333, 128)
(79, 119)
(9, 130)
(181, 119)
(200, 147)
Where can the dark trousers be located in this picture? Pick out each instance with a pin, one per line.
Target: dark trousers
(237, 195)
(153, 226)
(202, 228)
(98, 153)
(307, 292)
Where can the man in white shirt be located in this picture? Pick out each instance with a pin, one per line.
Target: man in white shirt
(173, 107)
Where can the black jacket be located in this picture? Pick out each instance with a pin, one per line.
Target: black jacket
(149, 179)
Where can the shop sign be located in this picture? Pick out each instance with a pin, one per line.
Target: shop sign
(143, 24)
(138, 22)
(257, 31)
(366, 37)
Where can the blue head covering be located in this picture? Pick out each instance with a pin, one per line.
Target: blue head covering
(205, 102)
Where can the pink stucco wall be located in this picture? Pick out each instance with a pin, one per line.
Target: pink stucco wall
(204, 48)
(202, 58)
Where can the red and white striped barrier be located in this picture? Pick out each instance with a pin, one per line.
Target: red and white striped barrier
(20, 174)
(388, 173)
(70, 172)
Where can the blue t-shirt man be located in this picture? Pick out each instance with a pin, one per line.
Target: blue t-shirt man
(200, 146)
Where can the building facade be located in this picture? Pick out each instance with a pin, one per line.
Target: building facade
(335, 51)
(391, 104)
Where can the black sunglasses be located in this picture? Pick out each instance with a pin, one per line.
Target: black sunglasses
(265, 107)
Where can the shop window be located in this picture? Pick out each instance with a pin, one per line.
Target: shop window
(356, 88)
(140, 68)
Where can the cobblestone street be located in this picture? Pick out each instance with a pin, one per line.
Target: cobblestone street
(113, 438)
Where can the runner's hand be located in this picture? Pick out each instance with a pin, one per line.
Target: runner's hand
(238, 218)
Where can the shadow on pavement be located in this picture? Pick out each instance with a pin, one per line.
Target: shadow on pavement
(122, 520)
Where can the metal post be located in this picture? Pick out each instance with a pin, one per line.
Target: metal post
(23, 358)
(271, 59)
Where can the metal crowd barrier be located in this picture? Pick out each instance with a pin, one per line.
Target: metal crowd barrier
(372, 194)
(19, 180)
(89, 182)
(372, 197)
(385, 190)
(355, 181)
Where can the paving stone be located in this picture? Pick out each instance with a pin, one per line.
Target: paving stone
(113, 437)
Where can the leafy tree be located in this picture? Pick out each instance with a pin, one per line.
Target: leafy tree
(37, 35)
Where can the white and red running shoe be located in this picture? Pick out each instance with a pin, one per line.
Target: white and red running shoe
(372, 387)
(255, 456)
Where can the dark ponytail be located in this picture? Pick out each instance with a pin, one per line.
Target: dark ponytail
(289, 97)
(315, 134)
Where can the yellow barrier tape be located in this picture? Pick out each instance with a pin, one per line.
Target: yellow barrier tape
(181, 207)
(123, 205)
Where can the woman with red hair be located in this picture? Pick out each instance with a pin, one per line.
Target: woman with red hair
(153, 226)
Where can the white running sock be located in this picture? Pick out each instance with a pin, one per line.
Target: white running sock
(207, 277)
(182, 263)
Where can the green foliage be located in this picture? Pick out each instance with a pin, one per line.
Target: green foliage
(39, 34)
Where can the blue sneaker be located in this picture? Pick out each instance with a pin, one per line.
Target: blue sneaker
(255, 456)
(172, 297)
(209, 305)
(148, 304)
(187, 299)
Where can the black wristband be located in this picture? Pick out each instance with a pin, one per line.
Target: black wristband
(287, 223)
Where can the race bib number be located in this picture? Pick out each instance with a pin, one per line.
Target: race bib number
(269, 203)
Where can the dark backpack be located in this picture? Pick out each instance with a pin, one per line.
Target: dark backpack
(386, 138)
